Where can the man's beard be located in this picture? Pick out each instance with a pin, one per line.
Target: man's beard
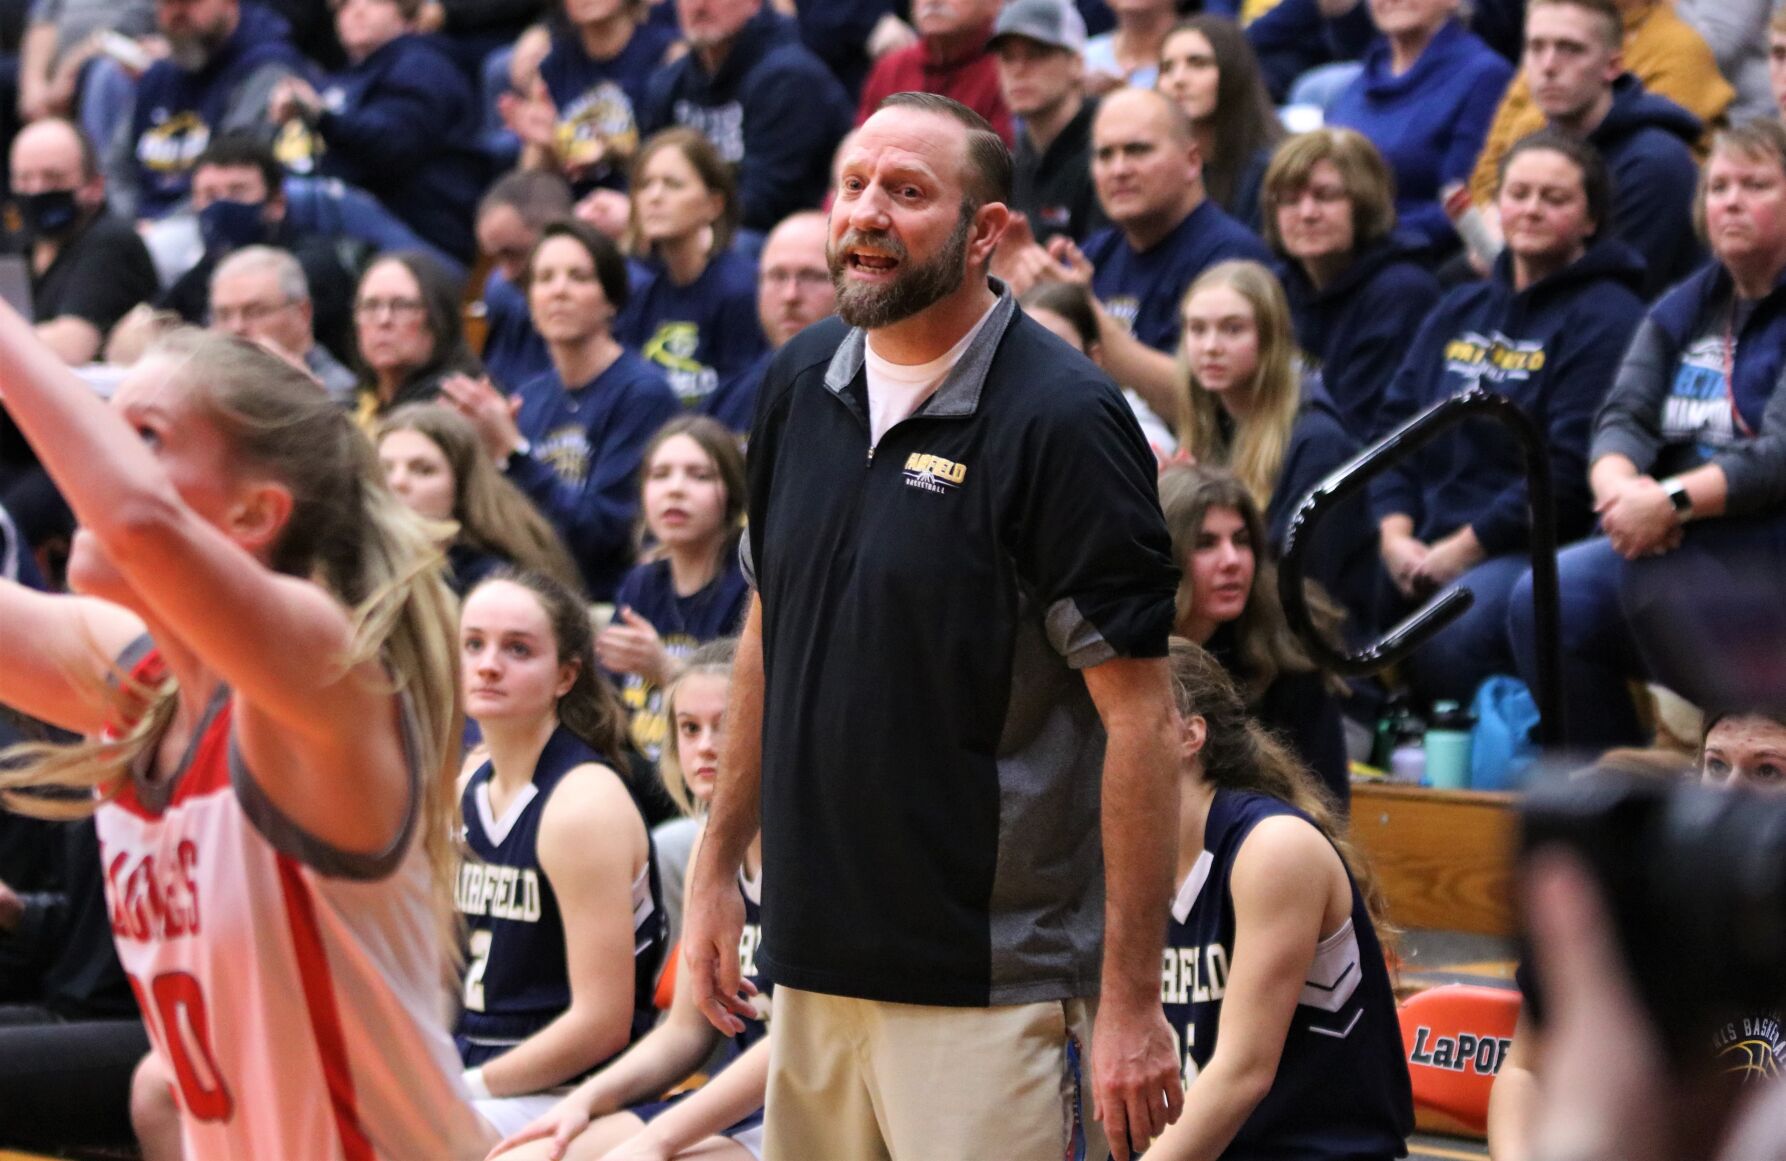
(912, 290)
(191, 53)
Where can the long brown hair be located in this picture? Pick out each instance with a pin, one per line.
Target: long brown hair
(348, 533)
(492, 513)
(1244, 122)
(1256, 452)
(713, 171)
(1265, 644)
(590, 708)
(1240, 754)
(721, 446)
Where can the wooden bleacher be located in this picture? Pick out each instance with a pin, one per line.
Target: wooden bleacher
(1444, 857)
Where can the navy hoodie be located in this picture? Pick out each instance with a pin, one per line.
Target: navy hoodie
(1647, 143)
(1429, 123)
(401, 125)
(1553, 349)
(178, 112)
(772, 109)
(1355, 329)
(1344, 557)
(1670, 409)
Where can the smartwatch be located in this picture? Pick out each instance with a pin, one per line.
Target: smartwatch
(1678, 499)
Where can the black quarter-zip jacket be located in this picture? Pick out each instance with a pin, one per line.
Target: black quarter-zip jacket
(931, 758)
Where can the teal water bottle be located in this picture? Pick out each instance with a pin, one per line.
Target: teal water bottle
(1448, 746)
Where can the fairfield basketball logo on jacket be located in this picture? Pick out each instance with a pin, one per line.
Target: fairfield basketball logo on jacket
(933, 473)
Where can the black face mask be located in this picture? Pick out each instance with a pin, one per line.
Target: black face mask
(51, 214)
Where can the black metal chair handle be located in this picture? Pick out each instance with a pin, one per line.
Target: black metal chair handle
(1421, 625)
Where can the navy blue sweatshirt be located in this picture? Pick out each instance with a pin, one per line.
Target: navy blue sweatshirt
(1344, 558)
(582, 470)
(178, 112)
(1553, 349)
(1144, 289)
(1355, 329)
(513, 350)
(1647, 142)
(1429, 122)
(400, 125)
(837, 33)
(597, 100)
(700, 336)
(772, 109)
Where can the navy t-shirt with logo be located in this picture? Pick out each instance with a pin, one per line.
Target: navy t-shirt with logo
(1145, 289)
(701, 336)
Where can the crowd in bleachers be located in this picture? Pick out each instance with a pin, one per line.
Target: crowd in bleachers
(545, 253)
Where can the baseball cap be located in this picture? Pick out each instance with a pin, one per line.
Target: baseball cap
(1055, 23)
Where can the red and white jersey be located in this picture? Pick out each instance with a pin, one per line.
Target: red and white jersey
(294, 992)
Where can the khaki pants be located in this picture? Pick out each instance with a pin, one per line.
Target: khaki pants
(861, 1080)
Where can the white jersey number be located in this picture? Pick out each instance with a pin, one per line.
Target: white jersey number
(478, 961)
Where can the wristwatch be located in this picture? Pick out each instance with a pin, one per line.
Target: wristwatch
(517, 454)
(1678, 499)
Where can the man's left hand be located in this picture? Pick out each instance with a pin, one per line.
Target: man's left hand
(1136, 1089)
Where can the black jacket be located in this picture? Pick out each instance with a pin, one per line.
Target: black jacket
(931, 758)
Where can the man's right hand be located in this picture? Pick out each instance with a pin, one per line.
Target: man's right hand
(712, 923)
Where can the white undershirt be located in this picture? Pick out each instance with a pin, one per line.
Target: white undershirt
(896, 390)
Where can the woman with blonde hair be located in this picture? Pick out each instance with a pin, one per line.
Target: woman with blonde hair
(1248, 407)
(262, 664)
(433, 460)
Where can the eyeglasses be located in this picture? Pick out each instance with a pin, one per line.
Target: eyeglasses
(248, 313)
(808, 279)
(395, 307)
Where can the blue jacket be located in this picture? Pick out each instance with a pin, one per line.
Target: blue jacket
(1552, 349)
(1429, 122)
(402, 125)
(1355, 330)
(178, 112)
(1658, 389)
(772, 109)
(582, 470)
(1647, 142)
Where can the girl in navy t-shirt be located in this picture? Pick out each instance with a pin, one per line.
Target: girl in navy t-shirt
(596, 76)
(1273, 979)
(695, 315)
(692, 590)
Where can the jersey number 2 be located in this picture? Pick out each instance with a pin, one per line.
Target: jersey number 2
(178, 1005)
(477, 956)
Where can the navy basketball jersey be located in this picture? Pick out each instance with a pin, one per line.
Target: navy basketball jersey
(1341, 1090)
(748, 942)
(516, 977)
